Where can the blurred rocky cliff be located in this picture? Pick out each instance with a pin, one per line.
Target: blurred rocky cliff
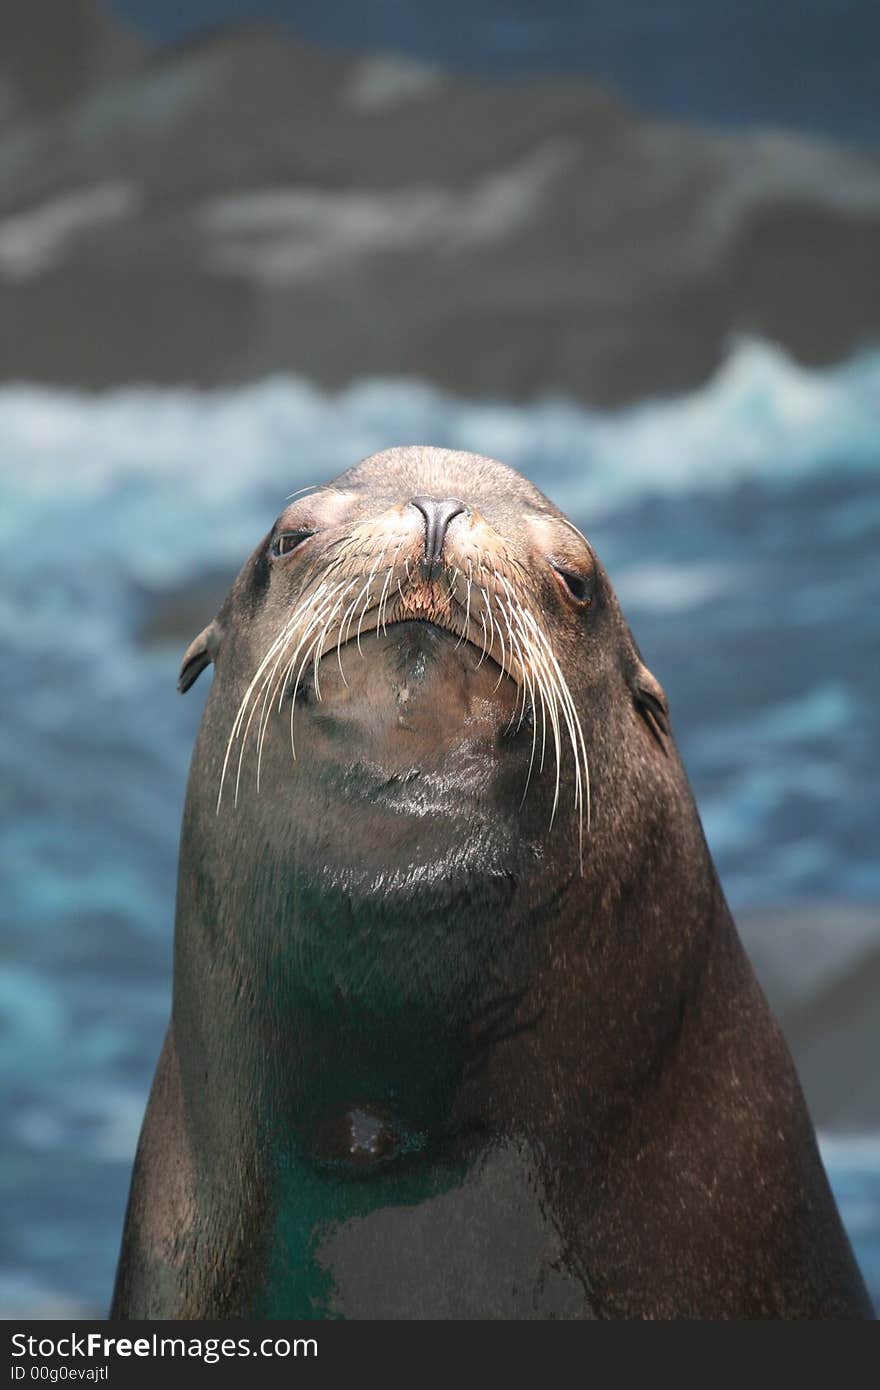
(246, 204)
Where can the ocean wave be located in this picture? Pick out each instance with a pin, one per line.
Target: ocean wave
(761, 417)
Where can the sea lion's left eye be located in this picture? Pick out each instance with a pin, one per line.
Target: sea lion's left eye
(578, 585)
(287, 541)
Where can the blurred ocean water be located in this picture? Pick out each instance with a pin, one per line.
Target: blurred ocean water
(740, 527)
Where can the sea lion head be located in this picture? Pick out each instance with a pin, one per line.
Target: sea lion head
(423, 680)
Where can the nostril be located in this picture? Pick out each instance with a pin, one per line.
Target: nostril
(437, 513)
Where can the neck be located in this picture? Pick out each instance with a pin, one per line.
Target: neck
(613, 1053)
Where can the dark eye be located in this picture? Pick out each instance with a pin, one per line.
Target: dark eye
(578, 585)
(287, 541)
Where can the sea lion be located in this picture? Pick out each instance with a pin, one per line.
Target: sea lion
(461, 1023)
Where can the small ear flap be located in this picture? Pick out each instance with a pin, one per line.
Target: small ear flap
(199, 654)
(652, 704)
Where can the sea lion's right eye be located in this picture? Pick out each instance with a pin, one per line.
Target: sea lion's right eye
(287, 541)
(579, 586)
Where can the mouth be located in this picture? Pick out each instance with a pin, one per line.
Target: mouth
(438, 631)
(411, 658)
(449, 656)
(452, 605)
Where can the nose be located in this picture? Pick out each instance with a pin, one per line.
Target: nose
(438, 515)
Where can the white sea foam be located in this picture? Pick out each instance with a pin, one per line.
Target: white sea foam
(663, 587)
(761, 417)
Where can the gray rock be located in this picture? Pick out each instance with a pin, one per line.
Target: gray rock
(51, 53)
(246, 203)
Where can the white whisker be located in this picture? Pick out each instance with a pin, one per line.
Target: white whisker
(512, 635)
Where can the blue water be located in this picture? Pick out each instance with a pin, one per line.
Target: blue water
(740, 526)
(808, 64)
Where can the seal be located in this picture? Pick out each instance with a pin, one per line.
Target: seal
(461, 1024)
